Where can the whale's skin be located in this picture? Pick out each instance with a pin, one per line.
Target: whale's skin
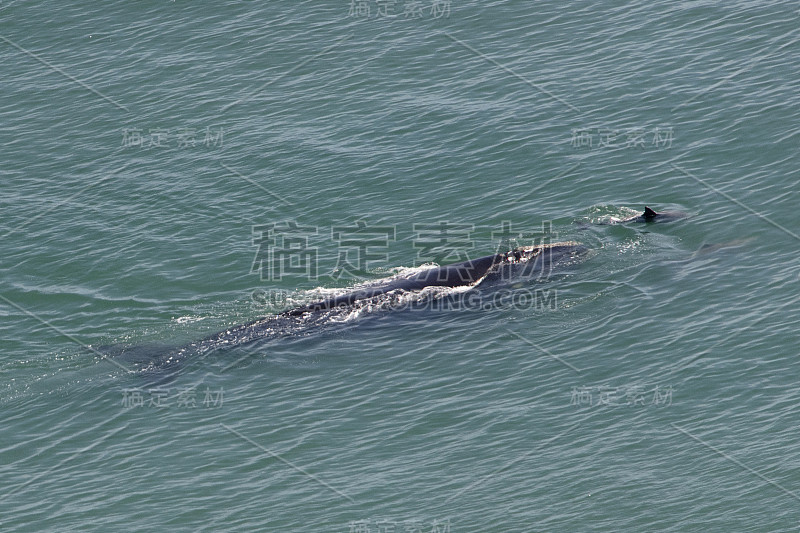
(527, 261)
(162, 363)
(520, 262)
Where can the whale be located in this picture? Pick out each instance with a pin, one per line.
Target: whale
(536, 263)
(649, 216)
(526, 262)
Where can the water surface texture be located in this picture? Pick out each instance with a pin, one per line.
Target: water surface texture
(173, 169)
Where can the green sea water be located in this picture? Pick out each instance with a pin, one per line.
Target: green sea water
(152, 150)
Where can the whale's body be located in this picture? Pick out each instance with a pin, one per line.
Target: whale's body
(529, 262)
(524, 262)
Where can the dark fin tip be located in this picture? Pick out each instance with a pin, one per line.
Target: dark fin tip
(649, 213)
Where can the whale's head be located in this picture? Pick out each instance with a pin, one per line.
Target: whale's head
(542, 261)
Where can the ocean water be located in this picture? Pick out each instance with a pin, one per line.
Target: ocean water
(152, 150)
